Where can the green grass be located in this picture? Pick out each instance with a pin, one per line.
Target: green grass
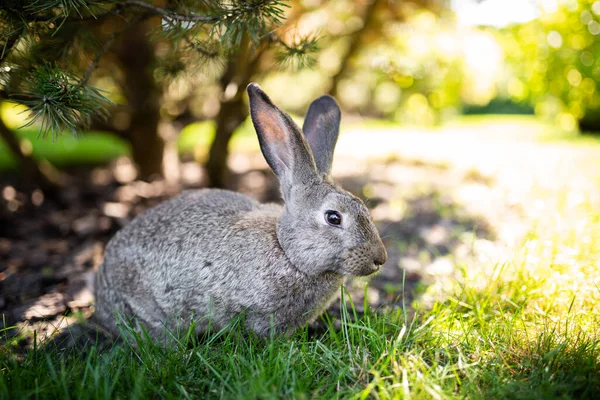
(89, 148)
(508, 335)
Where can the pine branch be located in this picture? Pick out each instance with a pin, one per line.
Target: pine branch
(298, 55)
(183, 63)
(65, 7)
(60, 101)
(257, 18)
(97, 16)
(228, 20)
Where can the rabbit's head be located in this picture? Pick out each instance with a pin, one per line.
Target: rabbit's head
(323, 228)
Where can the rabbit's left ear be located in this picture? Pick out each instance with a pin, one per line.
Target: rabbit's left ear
(321, 128)
(281, 141)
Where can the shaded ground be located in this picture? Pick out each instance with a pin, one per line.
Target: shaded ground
(49, 248)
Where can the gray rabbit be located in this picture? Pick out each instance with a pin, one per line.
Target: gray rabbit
(209, 255)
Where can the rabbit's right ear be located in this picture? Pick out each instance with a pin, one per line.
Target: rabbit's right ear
(321, 128)
(281, 141)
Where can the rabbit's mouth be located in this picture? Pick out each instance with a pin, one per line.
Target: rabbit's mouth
(359, 262)
(374, 269)
(364, 270)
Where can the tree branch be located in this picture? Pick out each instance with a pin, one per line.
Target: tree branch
(91, 17)
(354, 45)
(109, 42)
(169, 14)
(9, 45)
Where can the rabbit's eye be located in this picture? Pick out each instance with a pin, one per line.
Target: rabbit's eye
(333, 218)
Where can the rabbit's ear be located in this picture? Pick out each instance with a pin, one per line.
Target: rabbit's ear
(321, 128)
(281, 140)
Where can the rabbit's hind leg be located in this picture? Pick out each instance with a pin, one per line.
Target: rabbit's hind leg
(125, 305)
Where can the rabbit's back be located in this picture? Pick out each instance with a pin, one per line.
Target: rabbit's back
(183, 231)
(192, 211)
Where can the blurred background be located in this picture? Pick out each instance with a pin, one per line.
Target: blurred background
(465, 124)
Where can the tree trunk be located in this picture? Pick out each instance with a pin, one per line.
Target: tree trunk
(233, 111)
(354, 45)
(136, 56)
(231, 115)
(29, 167)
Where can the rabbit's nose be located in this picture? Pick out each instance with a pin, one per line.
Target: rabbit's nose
(380, 255)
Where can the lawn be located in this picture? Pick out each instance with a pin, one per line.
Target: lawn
(516, 316)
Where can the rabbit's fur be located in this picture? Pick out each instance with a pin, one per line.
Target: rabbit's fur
(209, 255)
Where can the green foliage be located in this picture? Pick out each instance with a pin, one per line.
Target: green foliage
(499, 106)
(50, 48)
(416, 76)
(556, 62)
